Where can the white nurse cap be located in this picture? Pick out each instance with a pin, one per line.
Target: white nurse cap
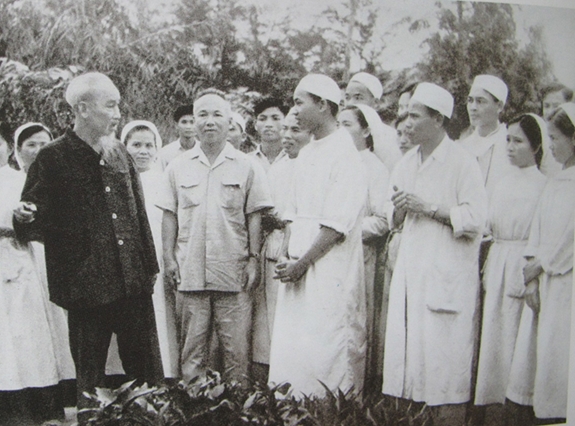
(434, 97)
(320, 85)
(141, 123)
(491, 84)
(371, 82)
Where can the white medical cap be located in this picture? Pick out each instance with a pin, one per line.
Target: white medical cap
(320, 85)
(18, 143)
(493, 85)
(371, 82)
(141, 123)
(434, 97)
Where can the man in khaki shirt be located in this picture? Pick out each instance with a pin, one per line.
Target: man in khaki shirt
(212, 206)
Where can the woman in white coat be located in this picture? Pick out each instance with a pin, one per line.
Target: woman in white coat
(142, 140)
(512, 206)
(539, 373)
(356, 120)
(34, 348)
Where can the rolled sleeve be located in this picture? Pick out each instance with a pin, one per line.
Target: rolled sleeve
(258, 191)
(336, 226)
(345, 198)
(469, 217)
(374, 226)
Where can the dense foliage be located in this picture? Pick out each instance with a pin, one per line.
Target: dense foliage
(480, 38)
(209, 401)
(159, 64)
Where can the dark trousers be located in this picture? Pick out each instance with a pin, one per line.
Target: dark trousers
(90, 330)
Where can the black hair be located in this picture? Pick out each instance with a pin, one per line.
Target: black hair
(561, 120)
(183, 110)
(434, 113)
(493, 96)
(557, 87)
(400, 119)
(531, 128)
(333, 107)
(410, 88)
(362, 122)
(266, 103)
(139, 128)
(6, 133)
(29, 132)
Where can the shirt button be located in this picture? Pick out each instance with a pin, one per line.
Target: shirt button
(107, 189)
(102, 162)
(114, 216)
(120, 242)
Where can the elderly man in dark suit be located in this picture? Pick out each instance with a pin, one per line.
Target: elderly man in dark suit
(84, 200)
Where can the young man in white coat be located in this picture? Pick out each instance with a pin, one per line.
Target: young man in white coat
(437, 193)
(488, 142)
(320, 321)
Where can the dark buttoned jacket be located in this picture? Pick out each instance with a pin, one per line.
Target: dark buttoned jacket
(91, 217)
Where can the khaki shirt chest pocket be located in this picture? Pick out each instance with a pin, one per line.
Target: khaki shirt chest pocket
(232, 194)
(190, 193)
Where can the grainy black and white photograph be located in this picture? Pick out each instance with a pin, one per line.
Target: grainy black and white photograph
(252, 212)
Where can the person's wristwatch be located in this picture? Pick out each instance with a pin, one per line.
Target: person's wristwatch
(433, 210)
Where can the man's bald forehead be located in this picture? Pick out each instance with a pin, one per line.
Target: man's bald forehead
(212, 100)
(89, 86)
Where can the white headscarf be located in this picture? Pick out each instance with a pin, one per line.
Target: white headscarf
(569, 109)
(542, 125)
(18, 145)
(545, 141)
(141, 123)
(376, 127)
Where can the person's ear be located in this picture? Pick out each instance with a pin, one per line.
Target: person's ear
(438, 119)
(81, 109)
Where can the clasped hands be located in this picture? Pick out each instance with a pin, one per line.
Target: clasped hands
(405, 202)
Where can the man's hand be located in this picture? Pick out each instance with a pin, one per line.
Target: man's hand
(25, 212)
(532, 295)
(253, 274)
(171, 273)
(532, 270)
(290, 271)
(409, 202)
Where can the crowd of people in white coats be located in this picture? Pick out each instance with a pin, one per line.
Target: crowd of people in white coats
(330, 249)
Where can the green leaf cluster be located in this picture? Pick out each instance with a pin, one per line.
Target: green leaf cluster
(207, 400)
